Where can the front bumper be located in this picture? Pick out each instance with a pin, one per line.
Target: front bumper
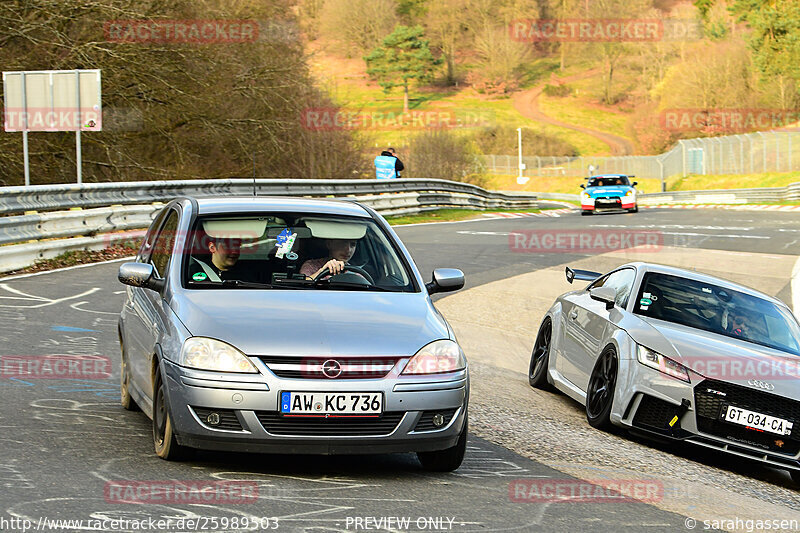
(651, 400)
(248, 405)
(609, 203)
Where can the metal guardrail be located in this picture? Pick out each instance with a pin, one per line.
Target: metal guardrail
(62, 197)
(724, 196)
(88, 226)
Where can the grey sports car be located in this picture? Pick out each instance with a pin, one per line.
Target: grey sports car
(289, 326)
(678, 355)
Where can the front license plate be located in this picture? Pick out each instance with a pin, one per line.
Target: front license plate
(756, 420)
(332, 403)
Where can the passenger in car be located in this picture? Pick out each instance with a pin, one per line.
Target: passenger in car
(340, 252)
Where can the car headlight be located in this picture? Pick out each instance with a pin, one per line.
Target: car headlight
(629, 193)
(661, 363)
(586, 196)
(210, 354)
(437, 357)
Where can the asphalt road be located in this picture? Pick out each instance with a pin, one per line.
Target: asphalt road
(63, 441)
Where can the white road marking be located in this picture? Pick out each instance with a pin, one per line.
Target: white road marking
(727, 236)
(796, 288)
(74, 267)
(44, 302)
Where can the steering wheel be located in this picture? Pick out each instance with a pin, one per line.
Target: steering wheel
(352, 268)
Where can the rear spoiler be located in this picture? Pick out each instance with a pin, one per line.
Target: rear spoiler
(581, 275)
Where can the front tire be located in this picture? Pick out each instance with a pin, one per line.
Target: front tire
(795, 476)
(585, 213)
(446, 460)
(600, 393)
(540, 357)
(166, 446)
(634, 210)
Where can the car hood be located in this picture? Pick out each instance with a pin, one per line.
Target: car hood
(313, 322)
(595, 192)
(723, 358)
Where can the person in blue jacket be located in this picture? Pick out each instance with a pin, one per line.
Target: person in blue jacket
(388, 165)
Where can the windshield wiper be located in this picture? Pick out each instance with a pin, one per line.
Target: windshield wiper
(356, 286)
(245, 284)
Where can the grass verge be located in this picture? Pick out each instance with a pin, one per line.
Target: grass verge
(450, 215)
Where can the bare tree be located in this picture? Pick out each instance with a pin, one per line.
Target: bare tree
(359, 25)
(211, 110)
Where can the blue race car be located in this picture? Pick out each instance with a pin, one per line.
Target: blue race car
(609, 191)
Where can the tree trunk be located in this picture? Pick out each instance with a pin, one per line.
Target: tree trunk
(451, 69)
(405, 97)
(607, 81)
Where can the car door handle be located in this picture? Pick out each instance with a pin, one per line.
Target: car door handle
(573, 315)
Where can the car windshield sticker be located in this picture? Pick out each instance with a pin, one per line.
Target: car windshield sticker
(644, 307)
(285, 242)
(645, 301)
(645, 295)
(283, 236)
(706, 289)
(199, 276)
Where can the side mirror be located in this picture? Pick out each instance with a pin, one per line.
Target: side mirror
(140, 275)
(606, 295)
(583, 186)
(635, 183)
(445, 280)
(581, 275)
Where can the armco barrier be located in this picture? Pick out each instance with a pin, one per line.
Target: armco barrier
(62, 197)
(101, 210)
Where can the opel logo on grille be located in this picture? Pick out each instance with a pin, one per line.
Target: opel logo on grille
(331, 368)
(761, 384)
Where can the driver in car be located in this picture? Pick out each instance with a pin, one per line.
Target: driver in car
(340, 252)
(739, 326)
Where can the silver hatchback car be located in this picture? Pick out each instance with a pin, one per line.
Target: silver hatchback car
(287, 325)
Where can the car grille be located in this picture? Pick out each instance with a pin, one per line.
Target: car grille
(654, 413)
(311, 367)
(426, 420)
(608, 201)
(276, 424)
(708, 405)
(227, 418)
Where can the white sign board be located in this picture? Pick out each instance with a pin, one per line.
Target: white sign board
(52, 100)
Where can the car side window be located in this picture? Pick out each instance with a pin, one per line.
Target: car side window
(147, 245)
(162, 247)
(622, 282)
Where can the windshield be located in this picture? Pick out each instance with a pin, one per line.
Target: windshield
(719, 310)
(609, 181)
(292, 251)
